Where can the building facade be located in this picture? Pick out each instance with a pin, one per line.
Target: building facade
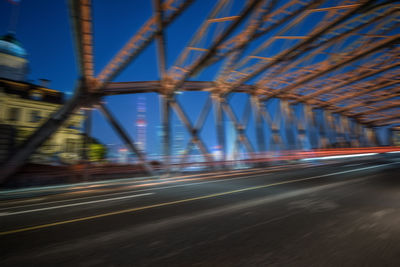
(25, 106)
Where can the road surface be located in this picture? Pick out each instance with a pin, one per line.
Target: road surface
(346, 214)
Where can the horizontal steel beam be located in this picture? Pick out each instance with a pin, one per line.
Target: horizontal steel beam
(116, 88)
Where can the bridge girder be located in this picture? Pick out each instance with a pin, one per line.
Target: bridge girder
(370, 65)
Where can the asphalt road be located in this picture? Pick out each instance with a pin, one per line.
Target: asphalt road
(339, 215)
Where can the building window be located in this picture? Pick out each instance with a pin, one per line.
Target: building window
(70, 146)
(74, 126)
(35, 116)
(13, 114)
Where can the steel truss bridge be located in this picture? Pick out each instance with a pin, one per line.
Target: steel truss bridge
(333, 60)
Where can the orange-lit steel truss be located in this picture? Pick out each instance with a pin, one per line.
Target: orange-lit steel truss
(336, 62)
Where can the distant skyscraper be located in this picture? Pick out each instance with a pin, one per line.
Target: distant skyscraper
(141, 123)
(230, 140)
(160, 140)
(178, 140)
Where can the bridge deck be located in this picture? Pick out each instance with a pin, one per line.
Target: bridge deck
(334, 215)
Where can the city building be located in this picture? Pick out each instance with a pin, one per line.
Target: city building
(178, 140)
(13, 59)
(141, 123)
(231, 149)
(25, 106)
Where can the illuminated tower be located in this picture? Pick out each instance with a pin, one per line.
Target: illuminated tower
(230, 140)
(141, 123)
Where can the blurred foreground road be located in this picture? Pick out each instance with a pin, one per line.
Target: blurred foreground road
(338, 215)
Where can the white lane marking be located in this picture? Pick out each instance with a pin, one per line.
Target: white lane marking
(20, 201)
(353, 165)
(72, 205)
(123, 181)
(341, 156)
(141, 190)
(196, 183)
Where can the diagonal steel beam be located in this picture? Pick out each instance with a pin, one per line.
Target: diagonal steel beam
(394, 104)
(388, 122)
(43, 133)
(219, 124)
(383, 119)
(372, 16)
(244, 123)
(379, 45)
(370, 87)
(194, 42)
(203, 115)
(192, 130)
(140, 41)
(202, 61)
(261, 11)
(274, 20)
(255, 102)
(371, 100)
(124, 136)
(238, 127)
(197, 128)
(301, 47)
(349, 81)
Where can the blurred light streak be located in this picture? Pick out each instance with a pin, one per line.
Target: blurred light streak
(342, 156)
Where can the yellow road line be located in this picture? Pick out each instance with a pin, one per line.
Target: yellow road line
(153, 206)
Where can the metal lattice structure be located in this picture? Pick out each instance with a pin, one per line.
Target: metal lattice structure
(338, 62)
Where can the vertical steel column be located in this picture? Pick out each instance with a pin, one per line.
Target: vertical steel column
(193, 131)
(323, 140)
(219, 124)
(287, 121)
(330, 125)
(195, 139)
(165, 109)
(344, 129)
(275, 140)
(394, 135)
(361, 135)
(311, 124)
(186, 153)
(255, 102)
(243, 125)
(371, 136)
(238, 127)
(302, 126)
(354, 134)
